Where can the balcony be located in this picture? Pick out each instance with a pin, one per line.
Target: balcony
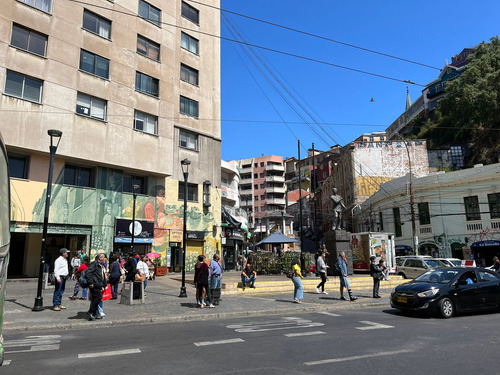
(229, 193)
(246, 170)
(275, 179)
(275, 167)
(274, 189)
(276, 201)
(474, 227)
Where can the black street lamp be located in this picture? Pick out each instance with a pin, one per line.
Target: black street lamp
(185, 171)
(53, 148)
(135, 188)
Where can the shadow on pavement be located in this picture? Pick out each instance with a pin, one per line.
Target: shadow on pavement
(190, 305)
(22, 305)
(285, 300)
(80, 315)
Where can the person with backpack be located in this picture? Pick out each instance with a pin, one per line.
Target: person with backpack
(344, 282)
(298, 292)
(114, 276)
(80, 272)
(97, 281)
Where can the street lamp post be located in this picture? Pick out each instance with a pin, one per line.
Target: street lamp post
(53, 148)
(412, 201)
(302, 253)
(185, 171)
(135, 188)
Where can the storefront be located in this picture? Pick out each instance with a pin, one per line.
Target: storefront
(232, 243)
(484, 251)
(143, 236)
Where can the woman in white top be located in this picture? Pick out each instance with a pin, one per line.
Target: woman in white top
(143, 269)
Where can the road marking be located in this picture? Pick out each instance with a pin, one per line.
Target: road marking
(229, 341)
(272, 325)
(6, 362)
(36, 344)
(356, 357)
(329, 313)
(296, 334)
(108, 354)
(372, 325)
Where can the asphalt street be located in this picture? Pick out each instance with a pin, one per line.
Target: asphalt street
(371, 340)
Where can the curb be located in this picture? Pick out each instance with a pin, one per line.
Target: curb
(191, 318)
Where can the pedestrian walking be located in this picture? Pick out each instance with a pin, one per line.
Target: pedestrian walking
(76, 262)
(202, 284)
(79, 272)
(130, 268)
(114, 276)
(496, 264)
(96, 278)
(143, 270)
(298, 291)
(215, 283)
(321, 268)
(61, 274)
(344, 281)
(376, 273)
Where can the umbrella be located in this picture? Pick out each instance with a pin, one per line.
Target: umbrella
(276, 238)
(153, 255)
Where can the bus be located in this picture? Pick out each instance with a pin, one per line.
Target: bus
(4, 232)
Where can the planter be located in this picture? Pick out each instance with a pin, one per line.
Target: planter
(161, 270)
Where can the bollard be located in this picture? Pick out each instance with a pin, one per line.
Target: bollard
(132, 293)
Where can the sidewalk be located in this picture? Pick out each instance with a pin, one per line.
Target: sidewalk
(164, 305)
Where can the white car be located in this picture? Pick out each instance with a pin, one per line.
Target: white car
(451, 262)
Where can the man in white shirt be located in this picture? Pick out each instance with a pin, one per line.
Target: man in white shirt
(60, 275)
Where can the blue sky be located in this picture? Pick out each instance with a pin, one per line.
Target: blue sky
(256, 120)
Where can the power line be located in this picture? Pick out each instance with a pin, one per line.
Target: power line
(406, 81)
(316, 36)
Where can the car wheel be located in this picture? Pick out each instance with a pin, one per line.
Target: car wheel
(446, 308)
(402, 274)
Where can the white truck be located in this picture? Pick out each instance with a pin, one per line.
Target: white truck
(379, 244)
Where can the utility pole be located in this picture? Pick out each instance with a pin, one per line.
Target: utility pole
(302, 254)
(314, 187)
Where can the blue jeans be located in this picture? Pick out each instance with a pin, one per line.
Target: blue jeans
(216, 282)
(77, 289)
(246, 280)
(298, 292)
(58, 292)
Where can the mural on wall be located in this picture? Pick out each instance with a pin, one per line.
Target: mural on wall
(92, 211)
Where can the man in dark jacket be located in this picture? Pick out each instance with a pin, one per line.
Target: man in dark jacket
(96, 278)
(376, 273)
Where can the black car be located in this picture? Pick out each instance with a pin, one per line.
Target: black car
(449, 290)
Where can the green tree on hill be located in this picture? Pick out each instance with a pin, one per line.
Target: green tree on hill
(470, 112)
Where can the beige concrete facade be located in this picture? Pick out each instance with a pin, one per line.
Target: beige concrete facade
(112, 144)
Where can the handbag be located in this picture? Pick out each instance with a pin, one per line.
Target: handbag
(107, 293)
(140, 278)
(289, 274)
(336, 271)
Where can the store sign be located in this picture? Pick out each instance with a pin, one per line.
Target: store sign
(142, 229)
(176, 236)
(195, 235)
(486, 243)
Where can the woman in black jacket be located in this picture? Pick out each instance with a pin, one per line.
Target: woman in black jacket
(130, 268)
(97, 281)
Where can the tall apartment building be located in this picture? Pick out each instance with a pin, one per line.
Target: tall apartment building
(134, 86)
(262, 188)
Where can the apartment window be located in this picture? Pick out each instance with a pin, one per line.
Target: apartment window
(494, 204)
(262, 186)
(94, 64)
(146, 84)
(423, 213)
(256, 198)
(261, 163)
(28, 40)
(192, 192)
(262, 197)
(45, 5)
(91, 106)
(190, 13)
(206, 194)
(129, 181)
(472, 208)
(149, 12)
(262, 175)
(255, 175)
(18, 166)
(256, 209)
(23, 87)
(146, 123)
(256, 187)
(397, 222)
(189, 107)
(78, 176)
(256, 165)
(189, 43)
(96, 24)
(189, 75)
(148, 48)
(188, 140)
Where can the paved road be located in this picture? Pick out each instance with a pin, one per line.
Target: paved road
(370, 341)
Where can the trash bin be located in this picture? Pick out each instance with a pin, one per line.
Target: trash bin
(137, 294)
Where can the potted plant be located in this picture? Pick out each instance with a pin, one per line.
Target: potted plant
(161, 266)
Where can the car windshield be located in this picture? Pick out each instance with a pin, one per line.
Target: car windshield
(441, 276)
(434, 263)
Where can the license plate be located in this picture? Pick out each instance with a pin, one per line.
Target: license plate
(402, 299)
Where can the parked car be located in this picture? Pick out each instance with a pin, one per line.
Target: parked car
(412, 267)
(450, 262)
(400, 260)
(448, 291)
